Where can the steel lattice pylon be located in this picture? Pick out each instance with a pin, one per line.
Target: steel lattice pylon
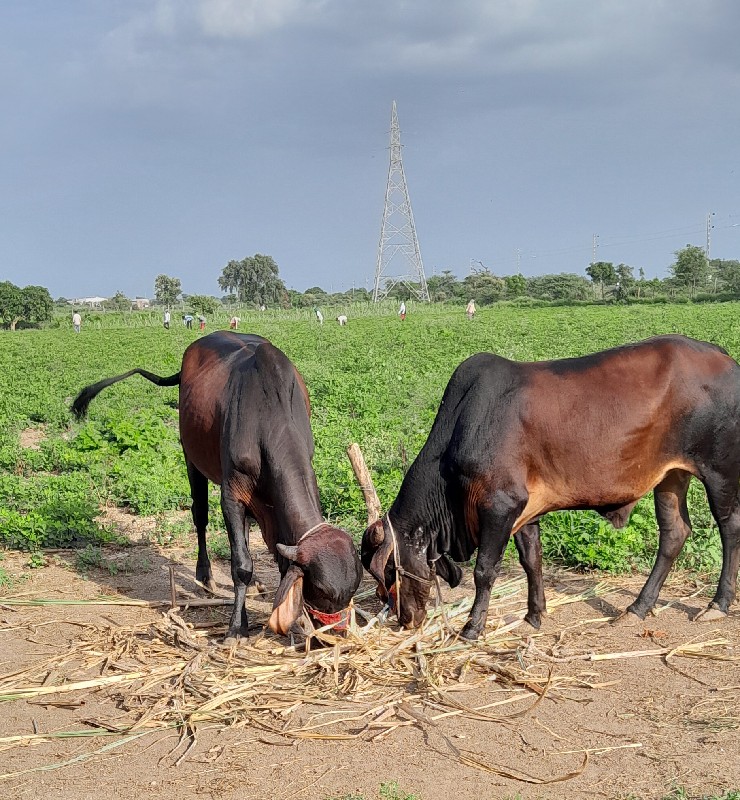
(399, 245)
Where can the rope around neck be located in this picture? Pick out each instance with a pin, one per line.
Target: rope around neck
(311, 531)
(397, 574)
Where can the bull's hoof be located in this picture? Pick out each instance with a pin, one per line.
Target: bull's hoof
(255, 589)
(230, 641)
(534, 619)
(627, 619)
(234, 636)
(469, 632)
(710, 614)
(208, 584)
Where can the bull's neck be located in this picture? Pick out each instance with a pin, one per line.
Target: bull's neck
(422, 500)
(296, 508)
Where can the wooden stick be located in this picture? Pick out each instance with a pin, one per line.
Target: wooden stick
(362, 473)
(173, 590)
(206, 601)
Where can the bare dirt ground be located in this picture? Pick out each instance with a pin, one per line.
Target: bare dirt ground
(628, 726)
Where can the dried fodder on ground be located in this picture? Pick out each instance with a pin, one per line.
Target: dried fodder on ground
(172, 674)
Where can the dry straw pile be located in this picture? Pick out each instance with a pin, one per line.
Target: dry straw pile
(172, 674)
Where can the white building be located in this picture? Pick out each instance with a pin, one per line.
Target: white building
(92, 302)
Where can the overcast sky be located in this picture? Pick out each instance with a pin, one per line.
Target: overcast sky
(140, 137)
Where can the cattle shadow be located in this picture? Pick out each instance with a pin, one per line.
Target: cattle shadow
(141, 571)
(615, 603)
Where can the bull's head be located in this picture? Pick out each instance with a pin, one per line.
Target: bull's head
(404, 578)
(323, 572)
(414, 565)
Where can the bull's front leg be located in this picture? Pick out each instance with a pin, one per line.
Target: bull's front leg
(495, 526)
(242, 567)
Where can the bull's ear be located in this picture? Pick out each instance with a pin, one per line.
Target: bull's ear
(288, 604)
(376, 533)
(448, 570)
(380, 559)
(373, 537)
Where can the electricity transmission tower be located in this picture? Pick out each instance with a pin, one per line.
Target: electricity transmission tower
(399, 257)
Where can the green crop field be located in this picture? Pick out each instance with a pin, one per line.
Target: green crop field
(377, 381)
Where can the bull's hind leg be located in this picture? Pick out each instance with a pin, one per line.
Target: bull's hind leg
(242, 567)
(529, 547)
(199, 510)
(725, 506)
(675, 526)
(495, 524)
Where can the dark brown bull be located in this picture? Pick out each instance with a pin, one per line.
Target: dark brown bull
(244, 424)
(512, 441)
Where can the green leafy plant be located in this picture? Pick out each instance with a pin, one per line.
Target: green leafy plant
(91, 557)
(6, 580)
(387, 791)
(392, 791)
(374, 381)
(36, 561)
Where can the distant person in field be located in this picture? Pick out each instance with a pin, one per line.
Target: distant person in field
(167, 319)
(76, 321)
(319, 316)
(342, 319)
(470, 309)
(402, 311)
(234, 323)
(201, 322)
(188, 320)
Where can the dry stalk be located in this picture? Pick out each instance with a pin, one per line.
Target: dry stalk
(170, 674)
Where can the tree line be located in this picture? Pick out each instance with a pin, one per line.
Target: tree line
(255, 281)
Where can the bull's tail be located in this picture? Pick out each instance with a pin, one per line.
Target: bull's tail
(82, 401)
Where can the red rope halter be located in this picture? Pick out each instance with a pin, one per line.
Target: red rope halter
(339, 621)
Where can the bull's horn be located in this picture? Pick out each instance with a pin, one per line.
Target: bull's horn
(377, 535)
(362, 473)
(289, 551)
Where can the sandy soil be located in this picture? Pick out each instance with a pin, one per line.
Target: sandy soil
(651, 725)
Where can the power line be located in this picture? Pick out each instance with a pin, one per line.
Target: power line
(599, 241)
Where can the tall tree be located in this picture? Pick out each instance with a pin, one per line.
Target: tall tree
(625, 281)
(516, 285)
(564, 286)
(255, 279)
(625, 275)
(32, 304)
(602, 272)
(725, 274)
(483, 286)
(640, 281)
(443, 287)
(691, 267)
(37, 304)
(167, 289)
(11, 304)
(203, 303)
(119, 302)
